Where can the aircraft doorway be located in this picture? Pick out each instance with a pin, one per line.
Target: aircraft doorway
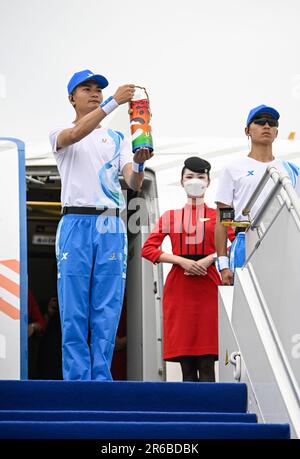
(137, 350)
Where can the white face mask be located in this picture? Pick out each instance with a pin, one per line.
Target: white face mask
(195, 187)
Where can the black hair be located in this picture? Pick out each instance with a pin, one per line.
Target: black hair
(184, 169)
(196, 164)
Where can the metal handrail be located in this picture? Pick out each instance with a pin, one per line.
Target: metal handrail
(246, 211)
(260, 213)
(280, 180)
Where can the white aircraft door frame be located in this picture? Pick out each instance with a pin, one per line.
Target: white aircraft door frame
(13, 261)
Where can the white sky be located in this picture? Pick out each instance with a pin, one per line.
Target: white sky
(204, 63)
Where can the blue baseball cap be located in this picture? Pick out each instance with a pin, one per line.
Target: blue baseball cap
(262, 109)
(84, 75)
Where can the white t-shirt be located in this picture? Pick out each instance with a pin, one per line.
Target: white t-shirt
(239, 179)
(89, 169)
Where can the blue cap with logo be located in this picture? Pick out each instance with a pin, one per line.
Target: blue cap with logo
(262, 109)
(84, 75)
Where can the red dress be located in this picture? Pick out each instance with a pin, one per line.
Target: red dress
(190, 303)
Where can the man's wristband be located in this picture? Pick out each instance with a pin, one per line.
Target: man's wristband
(223, 263)
(109, 105)
(137, 167)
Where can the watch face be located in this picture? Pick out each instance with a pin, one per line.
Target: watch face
(226, 214)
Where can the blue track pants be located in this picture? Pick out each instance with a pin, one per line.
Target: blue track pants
(91, 253)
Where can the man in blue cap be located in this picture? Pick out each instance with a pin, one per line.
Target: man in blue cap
(91, 243)
(239, 179)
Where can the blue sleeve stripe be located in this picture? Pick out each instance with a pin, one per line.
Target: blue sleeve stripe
(120, 134)
(292, 170)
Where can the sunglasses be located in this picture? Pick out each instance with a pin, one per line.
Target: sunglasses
(262, 121)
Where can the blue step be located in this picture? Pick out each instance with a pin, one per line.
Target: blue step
(124, 416)
(141, 430)
(129, 410)
(123, 396)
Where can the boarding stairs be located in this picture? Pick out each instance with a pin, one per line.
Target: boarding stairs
(259, 318)
(129, 410)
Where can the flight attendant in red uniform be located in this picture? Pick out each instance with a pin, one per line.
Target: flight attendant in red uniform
(190, 299)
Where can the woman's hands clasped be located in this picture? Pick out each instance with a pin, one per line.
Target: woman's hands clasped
(195, 268)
